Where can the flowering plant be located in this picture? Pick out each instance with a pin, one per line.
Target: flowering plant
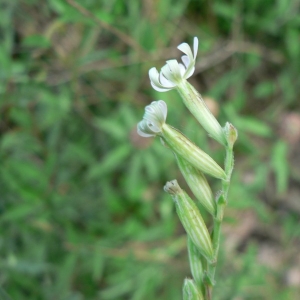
(193, 163)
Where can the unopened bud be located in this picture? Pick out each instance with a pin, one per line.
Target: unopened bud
(221, 203)
(231, 134)
(198, 184)
(191, 291)
(195, 263)
(191, 220)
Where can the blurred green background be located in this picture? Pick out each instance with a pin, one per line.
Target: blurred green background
(83, 213)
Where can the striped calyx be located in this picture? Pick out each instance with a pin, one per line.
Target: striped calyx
(186, 149)
(191, 219)
(196, 105)
(191, 291)
(198, 184)
(195, 263)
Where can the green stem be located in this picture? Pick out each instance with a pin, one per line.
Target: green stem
(211, 268)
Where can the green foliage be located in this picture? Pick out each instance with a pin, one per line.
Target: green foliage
(280, 165)
(83, 214)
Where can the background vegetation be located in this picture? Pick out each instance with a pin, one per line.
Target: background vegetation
(83, 213)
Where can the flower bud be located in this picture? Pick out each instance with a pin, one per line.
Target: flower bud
(221, 203)
(198, 184)
(195, 263)
(196, 105)
(189, 151)
(231, 134)
(191, 220)
(191, 291)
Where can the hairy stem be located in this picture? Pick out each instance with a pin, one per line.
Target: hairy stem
(222, 201)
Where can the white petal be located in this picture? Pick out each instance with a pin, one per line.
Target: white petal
(196, 42)
(153, 73)
(167, 73)
(186, 49)
(182, 70)
(141, 130)
(165, 82)
(154, 127)
(153, 119)
(154, 79)
(164, 108)
(190, 69)
(143, 134)
(158, 88)
(172, 71)
(156, 113)
(185, 60)
(189, 72)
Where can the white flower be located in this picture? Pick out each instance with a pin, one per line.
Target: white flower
(153, 119)
(173, 72)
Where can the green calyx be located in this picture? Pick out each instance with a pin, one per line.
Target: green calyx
(196, 105)
(198, 184)
(191, 220)
(191, 291)
(186, 149)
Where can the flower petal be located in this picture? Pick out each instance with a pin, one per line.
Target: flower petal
(154, 79)
(164, 108)
(153, 119)
(182, 70)
(172, 71)
(189, 72)
(156, 113)
(158, 88)
(196, 43)
(186, 49)
(165, 82)
(185, 59)
(189, 58)
(142, 131)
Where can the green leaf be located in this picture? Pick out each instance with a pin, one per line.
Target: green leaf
(255, 126)
(112, 161)
(112, 128)
(37, 40)
(292, 42)
(98, 263)
(67, 271)
(264, 89)
(20, 212)
(4, 295)
(133, 177)
(280, 165)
